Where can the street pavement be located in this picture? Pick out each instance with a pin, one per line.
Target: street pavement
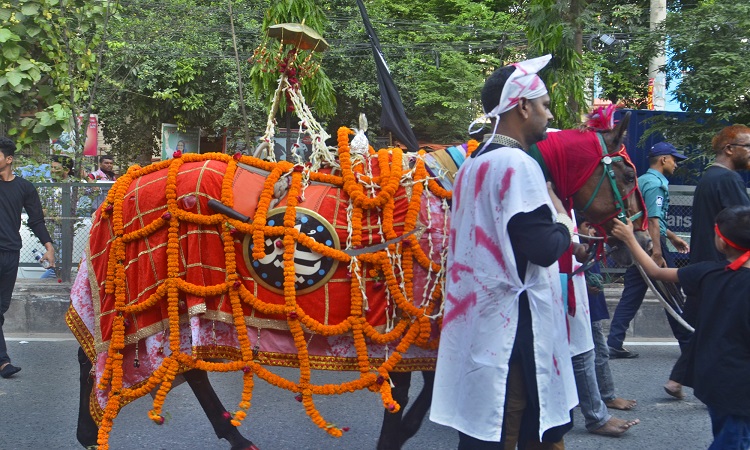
(38, 409)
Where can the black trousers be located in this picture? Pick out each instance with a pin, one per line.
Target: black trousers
(8, 274)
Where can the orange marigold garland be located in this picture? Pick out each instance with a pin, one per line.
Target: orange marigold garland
(412, 326)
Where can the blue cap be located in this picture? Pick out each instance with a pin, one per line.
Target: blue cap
(665, 148)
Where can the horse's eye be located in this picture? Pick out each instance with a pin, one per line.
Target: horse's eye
(629, 177)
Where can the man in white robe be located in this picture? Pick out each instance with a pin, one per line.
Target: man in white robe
(504, 371)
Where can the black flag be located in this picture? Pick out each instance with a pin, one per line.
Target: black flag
(393, 117)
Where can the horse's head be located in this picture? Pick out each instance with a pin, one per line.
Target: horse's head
(594, 175)
(611, 193)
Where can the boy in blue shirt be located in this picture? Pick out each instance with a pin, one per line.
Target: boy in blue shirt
(719, 351)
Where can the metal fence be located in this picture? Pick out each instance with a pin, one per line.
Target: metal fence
(68, 208)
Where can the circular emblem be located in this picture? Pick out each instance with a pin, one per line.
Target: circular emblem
(607, 160)
(312, 269)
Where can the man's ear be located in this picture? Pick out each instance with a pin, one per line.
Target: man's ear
(524, 107)
(722, 246)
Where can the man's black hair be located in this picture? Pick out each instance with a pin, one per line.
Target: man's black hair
(734, 224)
(103, 157)
(66, 161)
(493, 87)
(7, 146)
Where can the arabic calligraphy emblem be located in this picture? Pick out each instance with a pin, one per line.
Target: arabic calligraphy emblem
(312, 269)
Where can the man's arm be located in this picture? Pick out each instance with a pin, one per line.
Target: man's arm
(537, 237)
(33, 207)
(653, 231)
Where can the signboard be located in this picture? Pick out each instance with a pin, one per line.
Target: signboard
(650, 100)
(172, 139)
(65, 144)
(92, 135)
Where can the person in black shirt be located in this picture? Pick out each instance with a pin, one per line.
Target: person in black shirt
(719, 187)
(15, 194)
(718, 362)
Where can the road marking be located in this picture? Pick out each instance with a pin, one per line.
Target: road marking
(40, 339)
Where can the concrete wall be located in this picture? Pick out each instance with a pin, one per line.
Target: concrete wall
(38, 306)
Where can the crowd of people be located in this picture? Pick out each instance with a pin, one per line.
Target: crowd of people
(507, 374)
(501, 381)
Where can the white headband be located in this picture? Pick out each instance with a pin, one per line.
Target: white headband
(523, 83)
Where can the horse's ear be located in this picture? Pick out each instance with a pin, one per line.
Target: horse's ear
(622, 126)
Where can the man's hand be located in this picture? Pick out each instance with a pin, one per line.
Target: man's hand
(581, 252)
(659, 259)
(593, 290)
(49, 255)
(680, 244)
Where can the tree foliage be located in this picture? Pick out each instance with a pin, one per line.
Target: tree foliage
(622, 68)
(49, 64)
(438, 52)
(172, 61)
(554, 27)
(710, 64)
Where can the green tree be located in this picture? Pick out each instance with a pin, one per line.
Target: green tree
(439, 53)
(173, 62)
(710, 65)
(622, 68)
(556, 27)
(49, 66)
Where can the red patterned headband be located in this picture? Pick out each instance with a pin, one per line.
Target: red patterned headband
(737, 263)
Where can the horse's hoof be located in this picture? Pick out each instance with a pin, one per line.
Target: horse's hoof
(246, 446)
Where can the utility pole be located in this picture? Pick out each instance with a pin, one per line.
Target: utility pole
(656, 77)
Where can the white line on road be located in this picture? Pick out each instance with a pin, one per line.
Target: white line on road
(40, 339)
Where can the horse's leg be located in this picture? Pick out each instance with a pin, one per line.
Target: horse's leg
(390, 432)
(86, 431)
(214, 409)
(414, 417)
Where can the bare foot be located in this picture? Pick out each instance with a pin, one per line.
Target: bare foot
(615, 427)
(621, 403)
(674, 389)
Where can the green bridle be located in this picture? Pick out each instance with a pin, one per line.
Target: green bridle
(609, 174)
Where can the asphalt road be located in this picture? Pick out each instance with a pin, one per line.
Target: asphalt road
(38, 409)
